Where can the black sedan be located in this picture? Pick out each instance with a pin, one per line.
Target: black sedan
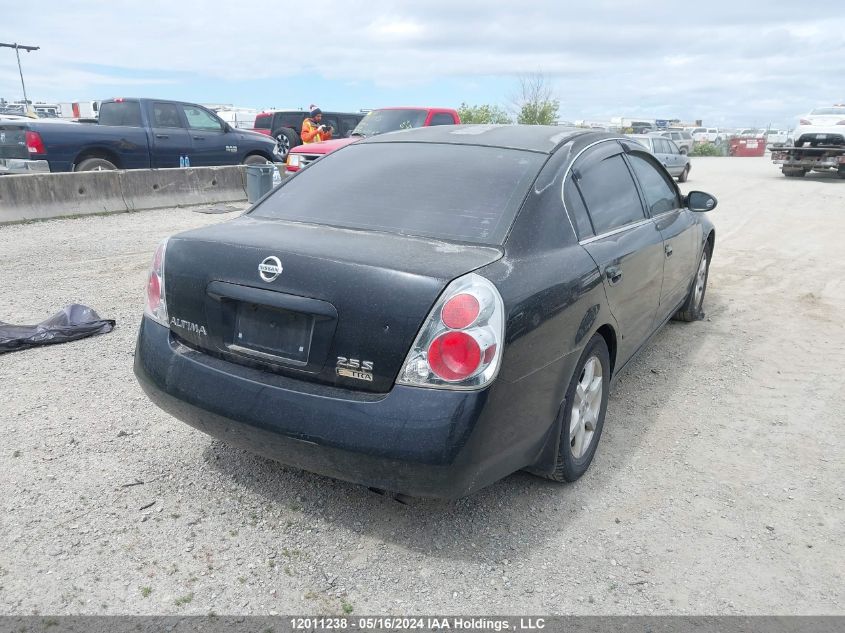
(428, 311)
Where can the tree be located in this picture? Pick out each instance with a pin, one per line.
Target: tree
(484, 113)
(535, 103)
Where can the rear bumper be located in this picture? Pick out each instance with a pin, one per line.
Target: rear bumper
(421, 442)
(23, 166)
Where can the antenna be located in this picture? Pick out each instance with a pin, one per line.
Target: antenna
(18, 48)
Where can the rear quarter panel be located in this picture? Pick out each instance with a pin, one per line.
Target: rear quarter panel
(555, 302)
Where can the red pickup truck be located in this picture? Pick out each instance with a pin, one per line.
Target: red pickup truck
(376, 122)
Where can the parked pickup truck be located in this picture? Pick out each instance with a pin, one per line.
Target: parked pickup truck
(376, 122)
(131, 134)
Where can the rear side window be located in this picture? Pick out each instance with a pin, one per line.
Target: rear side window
(576, 209)
(120, 113)
(442, 118)
(660, 194)
(611, 196)
(288, 119)
(166, 115)
(463, 193)
(263, 121)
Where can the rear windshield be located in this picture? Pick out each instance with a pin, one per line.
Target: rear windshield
(263, 121)
(464, 193)
(120, 113)
(828, 111)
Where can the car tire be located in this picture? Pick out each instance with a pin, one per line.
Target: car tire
(255, 159)
(287, 139)
(95, 164)
(793, 172)
(693, 308)
(682, 177)
(684, 151)
(841, 172)
(584, 408)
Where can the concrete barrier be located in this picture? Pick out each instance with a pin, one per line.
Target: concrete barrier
(40, 196)
(43, 196)
(157, 188)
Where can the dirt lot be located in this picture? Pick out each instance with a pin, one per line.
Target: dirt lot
(717, 488)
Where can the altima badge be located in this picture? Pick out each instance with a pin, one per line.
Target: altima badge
(270, 268)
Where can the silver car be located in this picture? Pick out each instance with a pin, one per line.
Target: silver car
(682, 139)
(676, 163)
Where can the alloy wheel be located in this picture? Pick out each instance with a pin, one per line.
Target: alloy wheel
(700, 280)
(284, 144)
(586, 406)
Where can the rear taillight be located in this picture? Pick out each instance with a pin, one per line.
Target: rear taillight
(34, 144)
(805, 122)
(460, 343)
(155, 305)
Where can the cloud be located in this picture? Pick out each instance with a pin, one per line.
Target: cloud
(726, 59)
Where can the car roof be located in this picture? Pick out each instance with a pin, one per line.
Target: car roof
(534, 138)
(295, 111)
(414, 108)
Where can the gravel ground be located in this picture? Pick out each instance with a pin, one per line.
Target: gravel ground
(717, 488)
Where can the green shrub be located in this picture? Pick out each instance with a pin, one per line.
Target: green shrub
(706, 149)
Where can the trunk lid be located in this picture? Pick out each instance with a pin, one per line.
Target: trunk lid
(343, 311)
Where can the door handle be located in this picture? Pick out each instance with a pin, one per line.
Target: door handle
(199, 138)
(162, 136)
(669, 251)
(613, 274)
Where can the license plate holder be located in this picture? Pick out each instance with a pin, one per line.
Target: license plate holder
(272, 334)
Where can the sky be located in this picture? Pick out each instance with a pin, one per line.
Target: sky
(726, 62)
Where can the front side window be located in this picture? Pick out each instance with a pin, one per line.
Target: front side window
(661, 196)
(347, 124)
(332, 122)
(610, 194)
(199, 119)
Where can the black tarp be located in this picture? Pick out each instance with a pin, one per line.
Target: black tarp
(72, 322)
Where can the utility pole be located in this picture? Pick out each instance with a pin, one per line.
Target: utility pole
(18, 48)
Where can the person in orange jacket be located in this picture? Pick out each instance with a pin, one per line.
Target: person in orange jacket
(313, 131)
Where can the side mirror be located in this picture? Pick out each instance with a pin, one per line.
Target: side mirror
(700, 201)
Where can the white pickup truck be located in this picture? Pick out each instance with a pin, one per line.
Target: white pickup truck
(707, 135)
